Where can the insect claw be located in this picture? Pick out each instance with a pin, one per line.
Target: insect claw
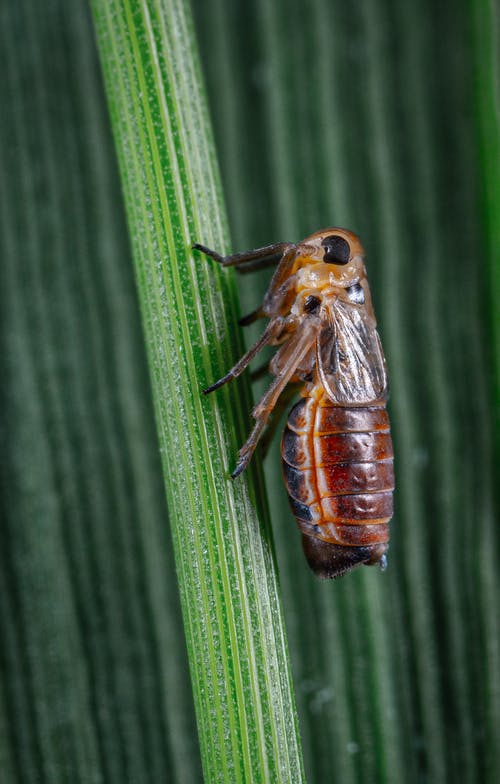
(218, 384)
(244, 457)
(208, 252)
(240, 467)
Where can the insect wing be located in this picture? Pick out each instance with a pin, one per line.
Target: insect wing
(350, 359)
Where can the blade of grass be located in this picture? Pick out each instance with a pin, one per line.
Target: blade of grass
(233, 621)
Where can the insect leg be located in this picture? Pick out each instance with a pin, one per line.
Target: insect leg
(259, 372)
(299, 345)
(266, 256)
(251, 317)
(270, 332)
(274, 419)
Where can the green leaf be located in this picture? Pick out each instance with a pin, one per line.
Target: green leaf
(232, 615)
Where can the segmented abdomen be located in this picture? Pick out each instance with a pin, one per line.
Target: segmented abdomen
(338, 471)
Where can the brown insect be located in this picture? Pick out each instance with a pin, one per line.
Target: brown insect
(336, 449)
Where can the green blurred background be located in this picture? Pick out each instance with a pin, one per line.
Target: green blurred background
(379, 116)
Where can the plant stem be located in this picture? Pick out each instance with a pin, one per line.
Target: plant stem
(232, 614)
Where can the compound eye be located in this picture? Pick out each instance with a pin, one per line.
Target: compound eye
(337, 250)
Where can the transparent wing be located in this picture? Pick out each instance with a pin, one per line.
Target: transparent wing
(350, 360)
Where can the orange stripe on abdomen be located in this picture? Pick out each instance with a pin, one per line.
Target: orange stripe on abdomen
(338, 471)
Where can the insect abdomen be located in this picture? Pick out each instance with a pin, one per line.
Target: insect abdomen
(338, 471)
